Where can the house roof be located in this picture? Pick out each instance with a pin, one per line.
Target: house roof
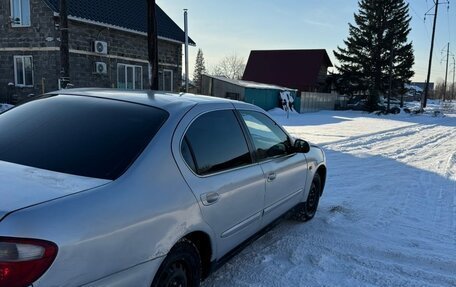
(413, 87)
(298, 69)
(128, 15)
(249, 84)
(422, 85)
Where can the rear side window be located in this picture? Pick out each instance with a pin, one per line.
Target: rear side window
(78, 135)
(215, 142)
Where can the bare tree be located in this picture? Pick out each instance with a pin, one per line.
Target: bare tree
(231, 67)
(438, 90)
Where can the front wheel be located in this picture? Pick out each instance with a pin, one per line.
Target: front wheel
(181, 268)
(306, 211)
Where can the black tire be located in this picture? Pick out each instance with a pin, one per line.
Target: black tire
(181, 268)
(306, 211)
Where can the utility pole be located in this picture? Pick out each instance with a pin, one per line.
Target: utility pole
(64, 45)
(426, 87)
(454, 72)
(152, 44)
(186, 49)
(446, 72)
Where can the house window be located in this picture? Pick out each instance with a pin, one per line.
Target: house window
(129, 77)
(232, 96)
(165, 80)
(23, 71)
(20, 13)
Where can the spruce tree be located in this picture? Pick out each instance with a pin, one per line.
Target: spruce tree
(199, 70)
(379, 37)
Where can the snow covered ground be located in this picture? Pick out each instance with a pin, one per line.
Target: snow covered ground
(387, 216)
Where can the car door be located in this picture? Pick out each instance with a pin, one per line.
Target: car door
(284, 171)
(213, 155)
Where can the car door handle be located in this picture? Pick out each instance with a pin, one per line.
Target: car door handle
(210, 198)
(272, 176)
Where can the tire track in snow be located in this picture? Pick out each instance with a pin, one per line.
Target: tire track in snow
(445, 212)
(398, 144)
(283, 256)
(396, 263)
(367, 141)
(450, 168)
(408, 144)
(438, 194)
(428, 141)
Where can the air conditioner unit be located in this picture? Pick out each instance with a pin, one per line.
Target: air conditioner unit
(101, 68)
(100, 47)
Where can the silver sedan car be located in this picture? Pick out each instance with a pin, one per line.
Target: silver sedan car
(118, 188)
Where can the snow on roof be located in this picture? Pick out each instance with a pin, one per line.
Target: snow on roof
(249, 84)
(413, 87)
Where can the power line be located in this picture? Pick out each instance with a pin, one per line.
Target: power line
(426, 89)
(419, 17)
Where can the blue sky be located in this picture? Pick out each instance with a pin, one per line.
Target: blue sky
(222, 28)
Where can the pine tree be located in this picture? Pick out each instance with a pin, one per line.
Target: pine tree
(379, 37)
(199, 70)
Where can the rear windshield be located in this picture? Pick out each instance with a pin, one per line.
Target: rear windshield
(78, 135)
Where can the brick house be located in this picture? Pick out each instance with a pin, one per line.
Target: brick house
(108, 46)
(304, 70)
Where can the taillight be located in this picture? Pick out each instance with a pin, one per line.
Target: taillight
(23, 261)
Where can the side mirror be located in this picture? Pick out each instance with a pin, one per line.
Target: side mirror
(301, 146)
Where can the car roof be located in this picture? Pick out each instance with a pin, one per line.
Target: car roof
(159, 99)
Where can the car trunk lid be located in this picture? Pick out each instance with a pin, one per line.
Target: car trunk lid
(23, 186)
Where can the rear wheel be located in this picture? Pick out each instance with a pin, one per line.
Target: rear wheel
(306, 211)
(181, 268)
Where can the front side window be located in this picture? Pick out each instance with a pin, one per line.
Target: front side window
(268, 138)
(215, 142)
(20, 13)
(129, 77)
(23, 71)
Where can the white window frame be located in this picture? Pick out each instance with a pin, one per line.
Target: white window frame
(134, 75)
(20, 13)
(172, 79)
(23, 70)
